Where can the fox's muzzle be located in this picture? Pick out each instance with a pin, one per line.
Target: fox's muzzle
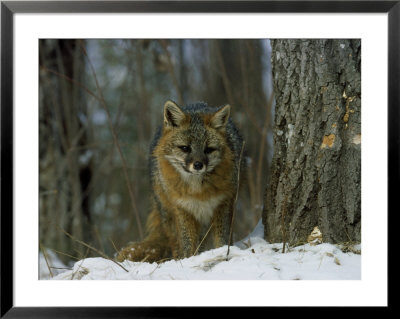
(197, 166)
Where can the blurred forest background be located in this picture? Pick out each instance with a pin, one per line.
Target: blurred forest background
(100, 104)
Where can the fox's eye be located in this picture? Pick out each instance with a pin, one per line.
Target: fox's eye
(185, 148)
(209, 150)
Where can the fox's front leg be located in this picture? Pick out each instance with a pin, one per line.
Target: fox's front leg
(221, 224)
(188, 232)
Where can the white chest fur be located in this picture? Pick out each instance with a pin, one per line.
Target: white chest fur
(202, 210)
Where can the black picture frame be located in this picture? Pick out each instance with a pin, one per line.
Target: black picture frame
(9, 8)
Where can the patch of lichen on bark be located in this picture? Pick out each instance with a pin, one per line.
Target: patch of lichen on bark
(328, 141)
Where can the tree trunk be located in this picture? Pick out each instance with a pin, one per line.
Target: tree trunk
(315, 177)
(64, 177)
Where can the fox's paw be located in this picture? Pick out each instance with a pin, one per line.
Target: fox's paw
(141, 252)
(133, 252)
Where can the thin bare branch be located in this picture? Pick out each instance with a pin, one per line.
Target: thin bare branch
(91, 247)
(80, 265)
(91, 93)
(45, 258)
(198, 247)
(64, 254)
(171, 71)
(116, 142)
(112, 242)
(234, 203)
(224, 74)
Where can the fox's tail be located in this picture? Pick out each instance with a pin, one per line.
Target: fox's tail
(154, 248)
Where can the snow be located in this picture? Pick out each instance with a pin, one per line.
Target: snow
(53, 262)
(252, 258)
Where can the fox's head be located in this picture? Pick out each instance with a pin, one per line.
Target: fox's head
(194, 138)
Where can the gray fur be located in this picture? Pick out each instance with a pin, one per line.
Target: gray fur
(234, 140)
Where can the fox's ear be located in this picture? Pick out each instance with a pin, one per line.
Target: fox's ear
(221, 117)
(173, 115)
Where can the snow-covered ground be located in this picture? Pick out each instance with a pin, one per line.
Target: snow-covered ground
(251, 258)
(55, 264)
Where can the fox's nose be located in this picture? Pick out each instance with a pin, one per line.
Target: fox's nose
(198, 165)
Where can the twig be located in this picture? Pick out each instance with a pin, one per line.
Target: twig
(90, 247)
(80, 265)
(45, 258)
(116, 142)
(96, 231)
(283, 228)
(224, 74)
(50, 192)
(198, 247)
(65, 254)
(164, 259)
(348, 236)
(81, 256)
(234, 203)
(116, 250)
(171, 71)
(61, 268)
(158, 265)
(91, 93)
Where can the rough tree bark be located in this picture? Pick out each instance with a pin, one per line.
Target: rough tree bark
(316, 168)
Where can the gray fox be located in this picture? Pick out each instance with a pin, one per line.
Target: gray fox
(194, 167)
